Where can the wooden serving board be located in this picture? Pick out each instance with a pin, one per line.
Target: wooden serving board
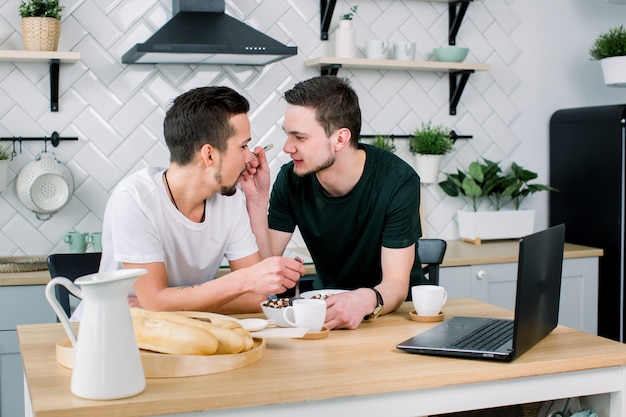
(161, 365)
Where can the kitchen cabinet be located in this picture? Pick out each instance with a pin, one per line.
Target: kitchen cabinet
(54, 58)
(19, 304)
(496, 284)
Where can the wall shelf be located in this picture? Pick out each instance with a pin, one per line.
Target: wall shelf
(53, 58)
(458, 72)
(456, 12)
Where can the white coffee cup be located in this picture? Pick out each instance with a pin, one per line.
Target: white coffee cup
(376, 49)
(428, 299)
(404, 51)
(307, 312)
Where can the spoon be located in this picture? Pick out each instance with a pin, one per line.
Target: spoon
(297, 294)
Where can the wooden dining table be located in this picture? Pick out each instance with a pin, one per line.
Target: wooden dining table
(351, 372)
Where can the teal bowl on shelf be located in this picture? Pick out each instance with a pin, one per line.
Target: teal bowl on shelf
(450, 53)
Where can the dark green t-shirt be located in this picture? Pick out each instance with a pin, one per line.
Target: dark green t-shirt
(345, 234)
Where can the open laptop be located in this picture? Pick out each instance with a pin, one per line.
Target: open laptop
(536, 309)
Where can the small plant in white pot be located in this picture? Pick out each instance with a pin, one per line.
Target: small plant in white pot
(384, 142)
(429, 144)
(610, 49)
(5, 156)
(486, 181)
(345, 35)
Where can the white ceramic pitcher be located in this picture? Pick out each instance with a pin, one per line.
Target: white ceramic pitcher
(107, 362)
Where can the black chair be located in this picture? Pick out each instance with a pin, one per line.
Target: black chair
(71, 266)
(431, 253)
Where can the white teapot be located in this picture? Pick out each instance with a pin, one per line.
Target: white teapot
(107, 362)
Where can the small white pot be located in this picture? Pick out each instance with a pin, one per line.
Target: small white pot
(345, 40)
(502, 224)
(427, 167)
(614, 71)
(4, 174)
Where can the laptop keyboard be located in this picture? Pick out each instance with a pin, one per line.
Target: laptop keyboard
(489, 336)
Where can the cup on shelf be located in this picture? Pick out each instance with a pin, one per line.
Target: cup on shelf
(77, 241)
(428, 299)
(376, 49)
(404, 51)
(95, 240)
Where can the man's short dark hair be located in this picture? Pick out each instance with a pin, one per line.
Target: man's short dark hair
(336, 104)
(201, 116)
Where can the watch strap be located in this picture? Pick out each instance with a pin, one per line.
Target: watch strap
(379, 306)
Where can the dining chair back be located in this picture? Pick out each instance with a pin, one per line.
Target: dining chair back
(71, 266)
(431, 253)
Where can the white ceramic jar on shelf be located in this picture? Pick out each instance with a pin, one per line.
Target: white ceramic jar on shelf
(345, 40)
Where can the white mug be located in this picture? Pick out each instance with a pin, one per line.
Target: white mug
(376, 49)
(404, 51)
(306, 312)
(428, 299)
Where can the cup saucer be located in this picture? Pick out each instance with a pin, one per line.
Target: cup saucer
(426, 319)
(316, 335)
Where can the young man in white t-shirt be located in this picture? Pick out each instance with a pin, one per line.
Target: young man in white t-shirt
(180, 222)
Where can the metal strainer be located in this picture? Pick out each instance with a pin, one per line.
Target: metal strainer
(45, 185)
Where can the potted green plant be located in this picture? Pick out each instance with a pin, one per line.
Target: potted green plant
(486, 181)
(429, 143)
(515, 185)
(5, 155)
(345, 35)
(41, 24)
(384, 142)
(610, 49)
(475, 184)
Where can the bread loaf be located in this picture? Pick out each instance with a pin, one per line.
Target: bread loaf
(168, 332)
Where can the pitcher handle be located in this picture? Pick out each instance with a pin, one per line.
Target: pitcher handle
(54, 303)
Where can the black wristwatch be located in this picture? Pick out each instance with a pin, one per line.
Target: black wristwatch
(379, 307)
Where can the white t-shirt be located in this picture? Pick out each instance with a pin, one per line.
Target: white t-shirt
(141, 225)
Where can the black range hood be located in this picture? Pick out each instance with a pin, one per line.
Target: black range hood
(201, 33)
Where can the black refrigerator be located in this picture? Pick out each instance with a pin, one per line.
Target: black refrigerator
(587, 166)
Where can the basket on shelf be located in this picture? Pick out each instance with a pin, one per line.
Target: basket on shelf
(41, 33)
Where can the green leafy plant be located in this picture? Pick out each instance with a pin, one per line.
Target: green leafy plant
(474, 184)
(384, 142)
(4, 153)
(516, 187)
(487, 181)
(431, 140)
(611, 43)
(41, 8)
(350, 14)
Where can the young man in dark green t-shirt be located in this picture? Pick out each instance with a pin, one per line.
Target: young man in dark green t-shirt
(356, 206)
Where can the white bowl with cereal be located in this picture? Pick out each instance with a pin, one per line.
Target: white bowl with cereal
(273, 310)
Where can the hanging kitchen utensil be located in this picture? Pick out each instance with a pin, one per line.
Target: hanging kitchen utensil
(45, 185)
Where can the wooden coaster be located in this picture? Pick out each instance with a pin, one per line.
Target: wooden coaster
(316, 335)
(426, 319)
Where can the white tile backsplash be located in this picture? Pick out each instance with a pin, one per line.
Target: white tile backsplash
(117, 110)
(101, 28)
